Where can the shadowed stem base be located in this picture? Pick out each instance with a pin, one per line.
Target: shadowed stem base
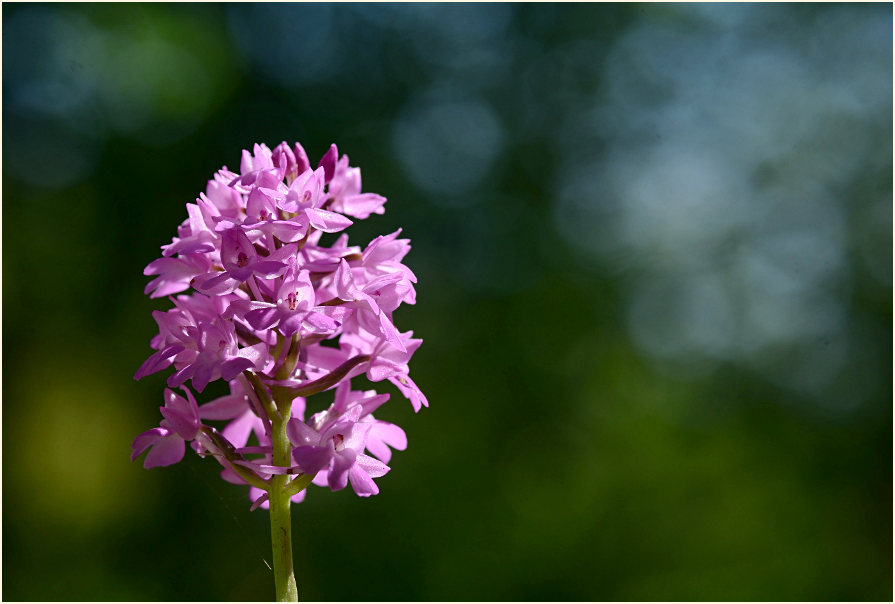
(281, 539)
(280, 516)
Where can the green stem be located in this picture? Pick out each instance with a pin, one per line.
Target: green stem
(279, 410)
(280, 516)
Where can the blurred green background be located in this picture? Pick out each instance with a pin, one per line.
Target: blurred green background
(653, 245)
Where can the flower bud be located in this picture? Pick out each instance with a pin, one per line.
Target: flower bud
(284, 159)
(328, 161)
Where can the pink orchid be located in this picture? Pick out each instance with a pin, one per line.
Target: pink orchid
(262, 303)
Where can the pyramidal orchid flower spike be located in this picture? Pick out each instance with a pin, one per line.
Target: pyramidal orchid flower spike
(260, 302)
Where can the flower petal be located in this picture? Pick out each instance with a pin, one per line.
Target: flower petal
(338, 475)
(230, 369)
(361, 482)
(225, 407)
(165, 451)
(328, 162)
(146, 440)
(371, 466)
(311, 459)
(326, 221)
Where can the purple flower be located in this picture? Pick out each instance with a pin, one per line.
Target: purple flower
(168, 441)
(257, 169)
(382, 436)
(345, 193)
(291, 161)
(181, 414)
(260, 301)
(263, 214)
(293, 308)
(174, 274)
(226, 201)
(215, 353)
(196, 235)
(337, 448)
(241, 261)
(387, 362)
(305, 198)
(167, 447)
(363, 298)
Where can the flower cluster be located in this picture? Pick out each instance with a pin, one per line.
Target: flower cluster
(280, 317)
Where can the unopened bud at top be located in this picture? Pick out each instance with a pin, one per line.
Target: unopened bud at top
(328, 162)
(291, 162)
